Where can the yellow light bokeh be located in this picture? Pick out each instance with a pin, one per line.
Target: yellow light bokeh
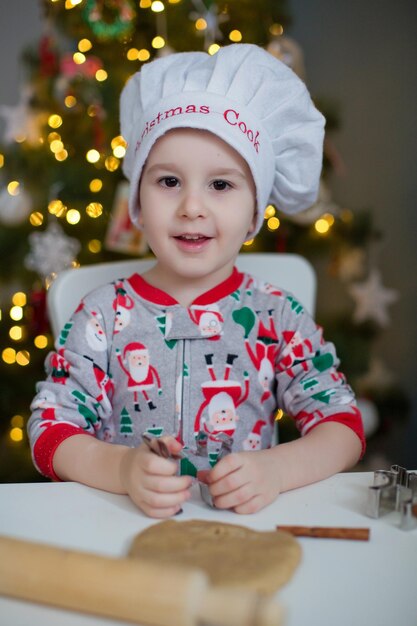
(55, 121)
(19, 298)
(157, 6)
(96, 185)
(41, 342)
(61, 155)
(112, 163)
(249, 243)
(273, 223)
(70, 102)
(144, 55)
(145, 4)
(73, 216)
(118, 141)
(119, 152)
(213, 48)
(1, 160)
(94, 209)
(23, 358)
(132, 54)
(16, 333)
(79, 58)
(16, 313)
(269, 211)
(16, 434)
(276, 29)
(94, 246)
(201, 24)
(84, 45)
(17, 421)
(36, 218)
(279, 415)
(93, 156)
(322, 226)
(9, 356)
(158, 42)
(56, 146)
(101, 75)
(54, 137)
(13, 188)
(57, 207)
(235, 36)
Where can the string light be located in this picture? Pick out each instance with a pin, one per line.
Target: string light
(94, 246)
(118, 145)
(36, 218)
(84, 45)
(57, 207)
(16, 434)
(145, 4)
(73, 216)
(19, 298)
(96, 185)
(16, 313)
(201, 24)
(144, 55)
(41, 341)
(112, 163)
(70, 102)
(1, 160)
(9, 356)
(55, 121)
(79, 58)
(23, 358)
(322, 226)
(93, 156)
(101, 75)
(276, 29)
(13, 188)
(158, 42)
(235, 36)
(132, 54)
(273, 223)
(94, 209)
(16, 333)
(70, 4)
(213, 48)
(269, 211)
(157, 6)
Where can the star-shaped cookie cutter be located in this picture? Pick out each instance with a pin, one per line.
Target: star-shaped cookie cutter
(394, 490)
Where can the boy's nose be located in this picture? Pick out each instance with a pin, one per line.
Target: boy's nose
(192, 205)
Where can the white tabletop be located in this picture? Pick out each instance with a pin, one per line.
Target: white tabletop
(338, 583)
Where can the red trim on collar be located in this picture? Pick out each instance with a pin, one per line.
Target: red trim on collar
(157, 296)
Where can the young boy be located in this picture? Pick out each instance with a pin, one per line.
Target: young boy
(193, 350)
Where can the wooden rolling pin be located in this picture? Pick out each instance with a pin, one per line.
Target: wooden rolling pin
(126, 589)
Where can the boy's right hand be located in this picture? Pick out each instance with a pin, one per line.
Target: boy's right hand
(151, 481)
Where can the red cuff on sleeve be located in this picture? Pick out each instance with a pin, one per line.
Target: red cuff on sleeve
(47, 443)
(352, 421)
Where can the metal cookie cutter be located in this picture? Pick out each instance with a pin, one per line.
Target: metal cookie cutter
(394, 490)
(226, 447)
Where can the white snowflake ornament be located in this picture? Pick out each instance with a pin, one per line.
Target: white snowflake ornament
(22, 121)
(51, 251)
(372, 299)
(14, 208)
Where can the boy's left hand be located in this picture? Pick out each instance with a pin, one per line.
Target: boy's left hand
(244, 481)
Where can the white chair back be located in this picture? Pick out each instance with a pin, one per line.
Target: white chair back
(289, 271)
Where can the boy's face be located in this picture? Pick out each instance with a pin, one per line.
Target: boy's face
(197, 200)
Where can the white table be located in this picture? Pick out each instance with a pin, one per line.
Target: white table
(338, 583)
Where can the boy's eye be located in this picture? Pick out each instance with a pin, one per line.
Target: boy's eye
(220, 185)
(168, 181)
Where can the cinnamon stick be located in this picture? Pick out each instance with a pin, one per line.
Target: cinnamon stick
(328, 532)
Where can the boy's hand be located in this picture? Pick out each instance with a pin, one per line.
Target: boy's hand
(244, 481)
(151, 481)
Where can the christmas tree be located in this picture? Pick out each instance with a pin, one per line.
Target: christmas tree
(63, 196)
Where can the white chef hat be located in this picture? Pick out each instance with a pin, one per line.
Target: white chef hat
(246, 97)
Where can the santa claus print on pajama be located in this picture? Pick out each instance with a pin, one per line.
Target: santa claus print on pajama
(133, 360)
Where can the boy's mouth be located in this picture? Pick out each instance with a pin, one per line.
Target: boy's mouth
(192, 238)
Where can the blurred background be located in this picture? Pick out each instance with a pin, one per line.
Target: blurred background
(63, 197)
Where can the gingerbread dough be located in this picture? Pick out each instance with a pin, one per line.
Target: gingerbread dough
(231, 555)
